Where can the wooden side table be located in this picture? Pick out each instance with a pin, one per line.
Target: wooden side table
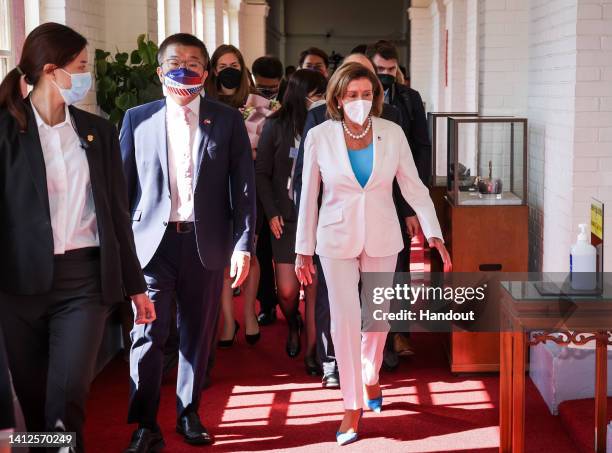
(563, 322)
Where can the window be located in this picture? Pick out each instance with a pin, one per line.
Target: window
(6, 53)
(161, 20)
(226, 30)
(197, 16)
(210, 28)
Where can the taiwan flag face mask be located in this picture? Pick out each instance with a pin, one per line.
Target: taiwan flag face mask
(183, 82)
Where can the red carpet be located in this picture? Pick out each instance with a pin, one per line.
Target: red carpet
(261, 400)
(579, 418)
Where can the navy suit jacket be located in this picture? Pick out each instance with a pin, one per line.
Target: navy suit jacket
(224, 193)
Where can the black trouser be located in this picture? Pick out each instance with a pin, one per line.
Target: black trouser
(266, 293)
(52, 343)
(7, 412)
(325, 345)
(403, 265)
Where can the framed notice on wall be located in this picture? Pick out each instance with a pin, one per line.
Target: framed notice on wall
(597, 229)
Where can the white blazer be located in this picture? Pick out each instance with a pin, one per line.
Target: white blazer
(354, 218)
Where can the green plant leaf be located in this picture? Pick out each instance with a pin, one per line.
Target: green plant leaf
(101, 54)
(123, 101)
(107, 85)
(151, 93)
(152, 50)
(138, 80)
(135, 58)
(121, 58)
(115, 116)
(101, 68)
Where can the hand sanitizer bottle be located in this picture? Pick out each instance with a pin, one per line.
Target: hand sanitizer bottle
(583, 259)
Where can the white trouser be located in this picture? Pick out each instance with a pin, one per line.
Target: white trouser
(359, 356)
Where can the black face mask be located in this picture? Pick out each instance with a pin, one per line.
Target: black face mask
(230, 78)
(268, 93)
(387, 80)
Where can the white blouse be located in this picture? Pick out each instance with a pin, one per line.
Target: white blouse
(73, 213)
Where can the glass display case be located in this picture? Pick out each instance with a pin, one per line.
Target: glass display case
(436, 125)
(486, 160)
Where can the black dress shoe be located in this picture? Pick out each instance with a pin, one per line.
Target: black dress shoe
(145, 441)
(311, 365)
(193, 431)
(230, 343)
(331, 381)
(265, 318)
(390, 360)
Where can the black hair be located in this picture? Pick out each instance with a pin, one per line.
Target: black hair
(385, 49)
(314, 51)
(269, 67)
(293, 111)
(184, 39)
(361, 48)
(289, 70)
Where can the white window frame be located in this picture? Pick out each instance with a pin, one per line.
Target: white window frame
(7, 54)
(161, 20)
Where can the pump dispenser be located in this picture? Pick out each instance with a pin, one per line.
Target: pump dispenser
(583, 259)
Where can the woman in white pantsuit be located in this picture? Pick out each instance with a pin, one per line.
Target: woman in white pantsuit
(356, 155)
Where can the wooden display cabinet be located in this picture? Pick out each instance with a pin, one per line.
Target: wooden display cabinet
(486, 233)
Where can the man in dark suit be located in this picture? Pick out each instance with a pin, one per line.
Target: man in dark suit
(325, 347)
(190, 177)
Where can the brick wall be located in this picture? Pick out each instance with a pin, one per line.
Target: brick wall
(592, 159)
(552, 57)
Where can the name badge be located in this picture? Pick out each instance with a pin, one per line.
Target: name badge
(293, 152)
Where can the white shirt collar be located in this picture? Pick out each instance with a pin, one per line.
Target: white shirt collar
(194, 105)
(40, 122)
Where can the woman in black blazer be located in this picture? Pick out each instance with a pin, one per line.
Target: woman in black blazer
(67, 247)
(274, 166)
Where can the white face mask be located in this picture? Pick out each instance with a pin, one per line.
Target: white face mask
(80, 85)
(358, 111)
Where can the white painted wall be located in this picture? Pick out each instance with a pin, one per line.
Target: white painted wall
(592, 160)
(421, 52)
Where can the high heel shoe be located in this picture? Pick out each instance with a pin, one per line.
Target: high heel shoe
(252, 338)
(311, 365)
(346, 437)
(293, 348)
(375, 404)
(230, 343)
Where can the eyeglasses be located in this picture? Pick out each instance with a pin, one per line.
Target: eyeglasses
(192, 65)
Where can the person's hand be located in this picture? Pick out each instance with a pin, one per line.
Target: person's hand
(304, 269)
(145, 309)
(276, 226)
(446, 260)
(239, 268)
(412, 225)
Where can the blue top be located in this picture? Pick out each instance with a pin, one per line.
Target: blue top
(362, 161)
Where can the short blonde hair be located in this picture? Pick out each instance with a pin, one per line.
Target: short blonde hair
(338, 84)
